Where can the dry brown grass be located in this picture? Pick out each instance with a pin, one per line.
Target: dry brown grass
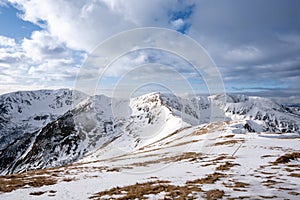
(294, 175)
(289, 169)
(266, 173)
(222, 157)
(283, 188)
(294, 193)
(287, 158)
(296, 166)
(228, 136)
(268, 197)
(237, 185)
(270, 183)
(225, 166)
(214, 194)
(69, 179)
(228, 142)
(14, 182)
(267, 156)
(200, 132)
(140, 190)
(37, 193)
(241, 184)
(209, 179)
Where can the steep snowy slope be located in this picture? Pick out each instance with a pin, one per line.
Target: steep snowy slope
(95, 122)
(156, 115)
(23, 114)
(149, 120)
(28, 111)
(81, 129)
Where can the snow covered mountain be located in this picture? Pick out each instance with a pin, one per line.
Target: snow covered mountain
(28, 111)
(24, 113)
(87, 127)
(261, 114)
(42, 129)
(208, 161)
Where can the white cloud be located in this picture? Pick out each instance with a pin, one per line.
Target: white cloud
(51, 57)
(43, 46)
(7, 42)
(84, 24)
(35, 63)
(244, 53)
(47, 57)
(178, 23)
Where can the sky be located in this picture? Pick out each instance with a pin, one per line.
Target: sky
(254, 44)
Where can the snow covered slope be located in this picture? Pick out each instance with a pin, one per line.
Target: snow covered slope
(155, 146)
(43, 129)
(201, 162)
(262, 114)
(24, 113)
(28, 111)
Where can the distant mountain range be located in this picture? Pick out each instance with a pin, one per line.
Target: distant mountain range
(47, 128)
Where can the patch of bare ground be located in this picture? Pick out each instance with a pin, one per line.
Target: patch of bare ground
(241, 184)
(115, 169)
(226, 166)
(214, 194)
(222, 157)
(228, 136)
(239, 197)
(268, 197)
(296, 166)
(294, 193)
(141, 190)
(267, 173)
(200, 131)
(217, 160)
(294, 175)
(270, 183)
(283, 188)
(267, 156)
(209, 128)
(291, 169)
(209, 179)
(214, 126)
(37, 193)
(68, 179)
(287, 158)
(237, 186)
(239, 190)
(189, 156)
(228, 142)
(278, 148)
(17, 181)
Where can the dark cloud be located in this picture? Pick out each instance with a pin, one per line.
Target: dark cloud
(254, 43)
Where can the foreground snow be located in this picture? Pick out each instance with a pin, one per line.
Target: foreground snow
(217, 160)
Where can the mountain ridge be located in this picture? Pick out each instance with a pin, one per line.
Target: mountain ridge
(76, 130)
